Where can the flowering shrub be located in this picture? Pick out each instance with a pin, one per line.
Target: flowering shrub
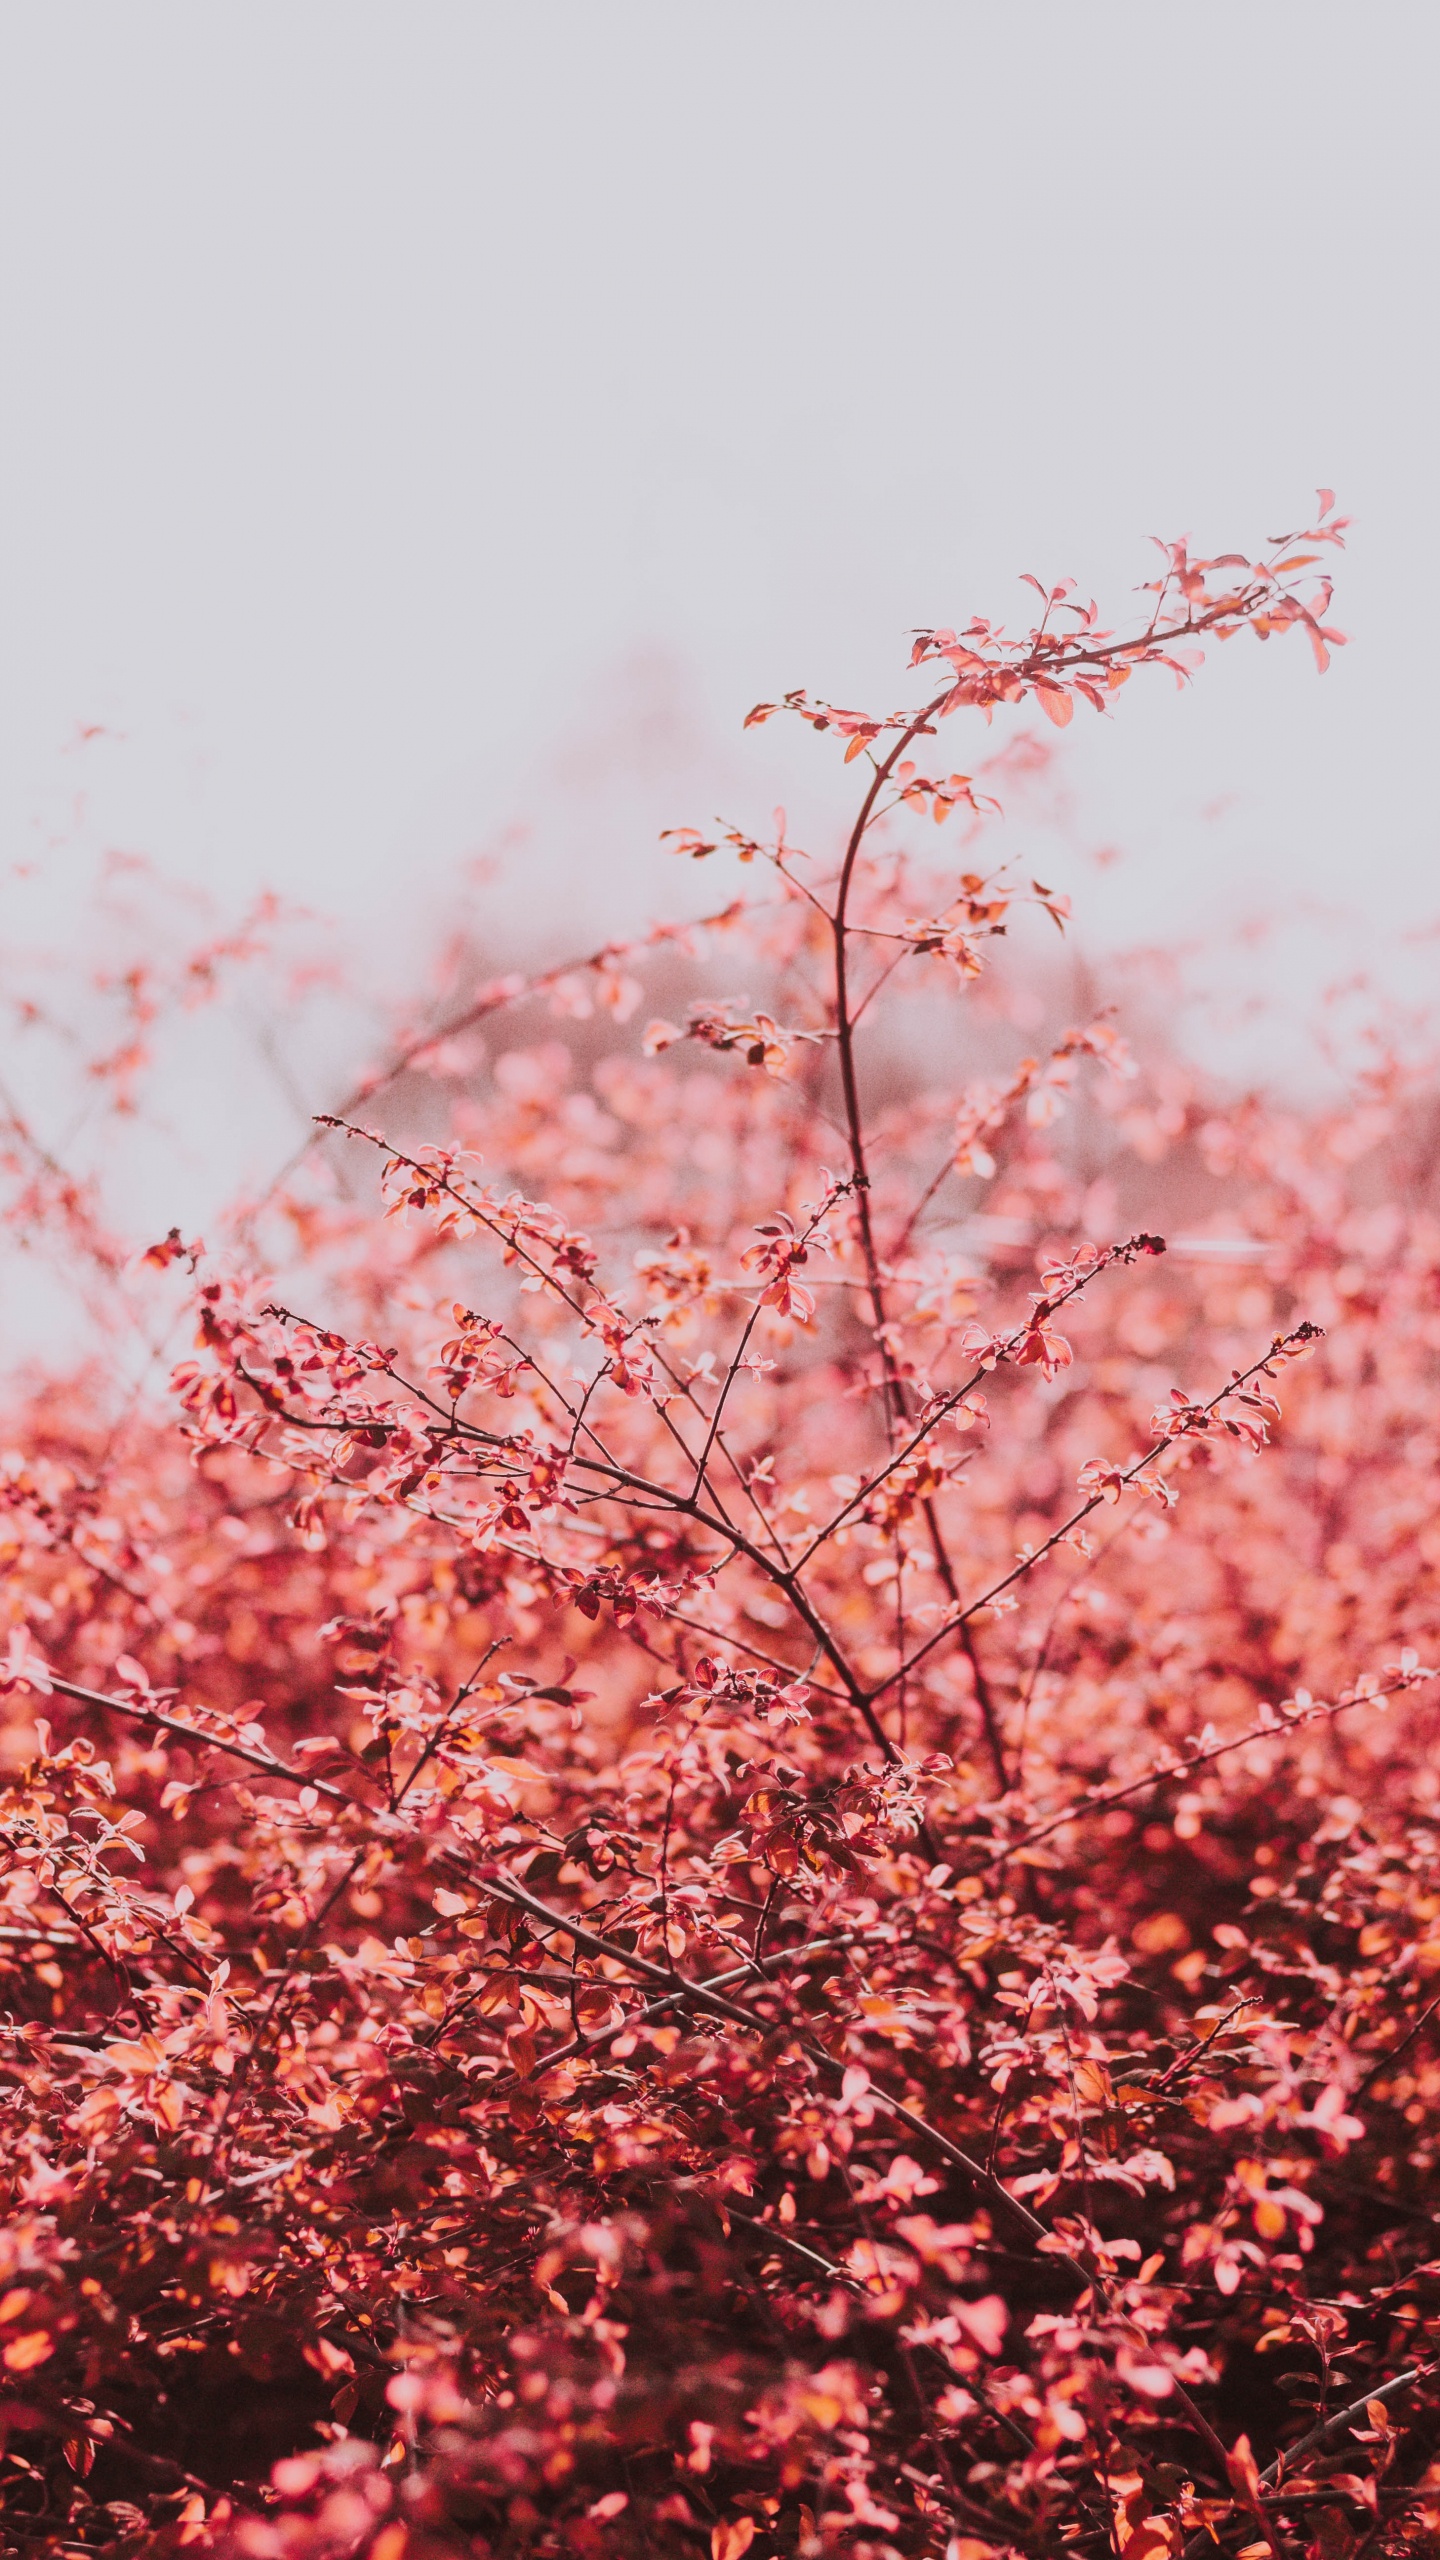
(724, 1845)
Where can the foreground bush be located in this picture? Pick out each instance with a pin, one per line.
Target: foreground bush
(731, 1851)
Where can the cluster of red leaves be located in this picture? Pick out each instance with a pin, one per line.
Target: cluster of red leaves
(728, 1850)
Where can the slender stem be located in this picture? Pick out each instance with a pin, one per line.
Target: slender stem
(1395, 2050)
(1103, 1797)
(197, 1737)
(733, 1370)
(845, 1029)
(1323, 2434)
(1028, 1563)
(895, 1399)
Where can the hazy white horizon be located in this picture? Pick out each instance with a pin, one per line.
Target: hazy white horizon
(422, 420)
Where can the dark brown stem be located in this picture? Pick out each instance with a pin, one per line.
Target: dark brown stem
(1137, 1467)
(845, 1033)
(895, 1398)
(984, 1694)
(1319, 2436)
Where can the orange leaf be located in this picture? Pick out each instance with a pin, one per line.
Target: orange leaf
(728, 2541)
(985, 2321)
(1244, 2471)
(1057, 706)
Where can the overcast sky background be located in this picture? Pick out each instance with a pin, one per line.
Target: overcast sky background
(423, 418)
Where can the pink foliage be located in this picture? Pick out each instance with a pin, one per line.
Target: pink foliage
(727, 1840)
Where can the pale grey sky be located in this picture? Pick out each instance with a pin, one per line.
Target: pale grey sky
(426, 413)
